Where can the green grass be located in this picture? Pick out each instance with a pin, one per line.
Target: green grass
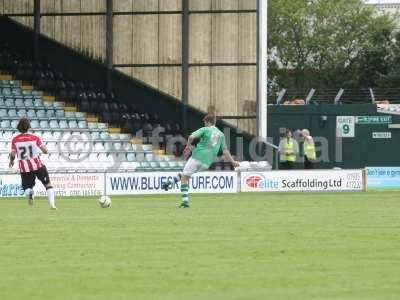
(245, 246)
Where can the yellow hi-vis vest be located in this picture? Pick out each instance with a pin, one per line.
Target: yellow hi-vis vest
(288, 146)
(309, 149)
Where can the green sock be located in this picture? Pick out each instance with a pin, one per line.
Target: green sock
(185, 192)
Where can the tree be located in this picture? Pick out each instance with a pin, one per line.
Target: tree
(325, 43)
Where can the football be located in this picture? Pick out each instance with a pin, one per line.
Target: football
(105, 201)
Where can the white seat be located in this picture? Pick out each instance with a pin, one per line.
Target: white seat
(56, 134)
(99, 147)
(7, 135)
(46, 136)
(51, 146)
(93, 157)
(54, 157)
(117, 146)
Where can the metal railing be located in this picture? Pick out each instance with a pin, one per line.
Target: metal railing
(337, 96)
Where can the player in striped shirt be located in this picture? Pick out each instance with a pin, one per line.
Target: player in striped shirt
(27, 147)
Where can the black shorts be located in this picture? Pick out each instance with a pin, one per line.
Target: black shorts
(28, 178)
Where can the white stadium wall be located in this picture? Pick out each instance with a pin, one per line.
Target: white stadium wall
(156, 39)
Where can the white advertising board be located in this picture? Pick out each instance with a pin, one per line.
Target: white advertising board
(151, 182)
(303, 181)
(74, 184)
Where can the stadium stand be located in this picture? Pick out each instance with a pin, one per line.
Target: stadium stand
(84, 129)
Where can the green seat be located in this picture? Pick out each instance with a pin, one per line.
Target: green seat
(79, 115)
(28, 102)
(57, 104)
(140, 157)
(19, 103)
(35, 124)
(37, 93)
(14, 124)
(164, 165)
(12, 113)
(145, 166)
(9, 102)
(154, 165)
(16, 91)
(50, 113)
(54, 124)
(92, 125)
(38, 102)
(82, 124)
(48, 104)
(150, 157)
(6, 91)
(60, 113)
(21, 113)
(5, 124)
(173, 165)
(147, 147)
(41, 113)
(102, 125)
(131, 157)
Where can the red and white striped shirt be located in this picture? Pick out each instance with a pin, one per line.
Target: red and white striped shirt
(27, 148)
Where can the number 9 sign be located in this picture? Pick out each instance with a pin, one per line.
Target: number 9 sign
(345, 126)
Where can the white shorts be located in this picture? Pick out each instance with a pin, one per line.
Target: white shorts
(193, 166)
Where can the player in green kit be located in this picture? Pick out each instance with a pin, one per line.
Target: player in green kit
(211, 141)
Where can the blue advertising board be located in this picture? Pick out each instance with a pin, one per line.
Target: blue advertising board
(383, 177)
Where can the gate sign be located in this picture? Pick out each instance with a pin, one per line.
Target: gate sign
(345, 126)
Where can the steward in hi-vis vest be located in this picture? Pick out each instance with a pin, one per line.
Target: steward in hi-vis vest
(288, 149)
(308, 149)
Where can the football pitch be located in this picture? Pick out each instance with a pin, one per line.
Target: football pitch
(236, 246)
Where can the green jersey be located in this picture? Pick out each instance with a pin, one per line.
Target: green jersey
(211, 141)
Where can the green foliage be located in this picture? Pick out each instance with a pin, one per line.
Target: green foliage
(325, 43)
